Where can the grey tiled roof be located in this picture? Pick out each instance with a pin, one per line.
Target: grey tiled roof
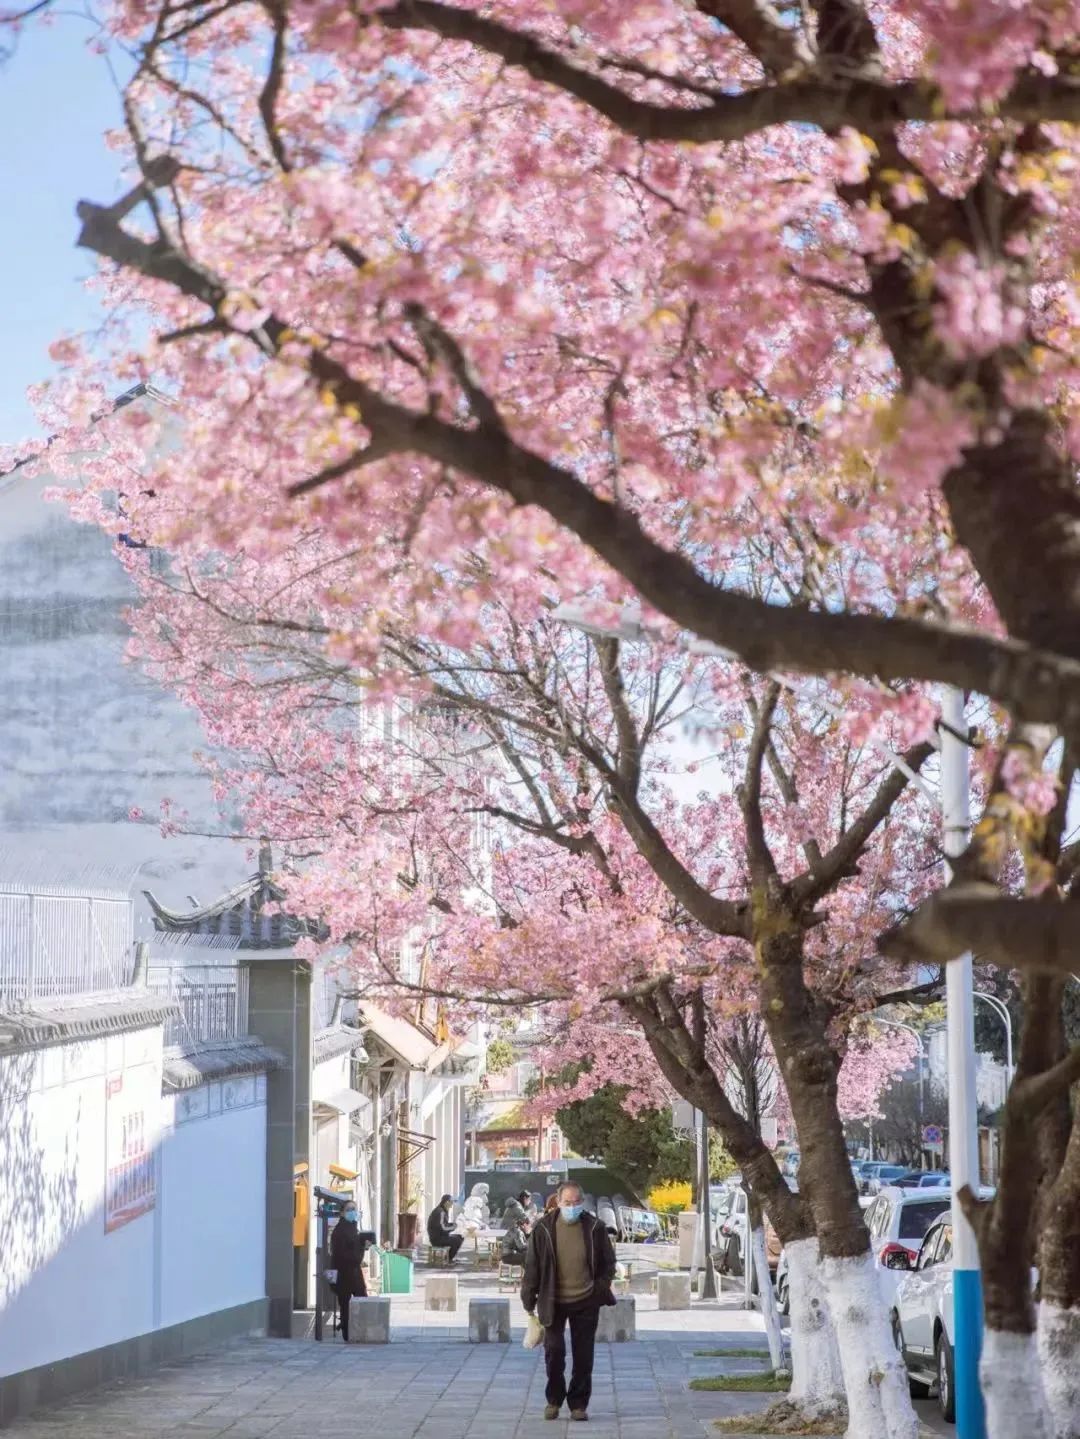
(216, 1059)
(248, 914)
(336, 1039)
(84, 1016)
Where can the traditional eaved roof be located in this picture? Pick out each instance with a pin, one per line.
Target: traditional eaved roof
(84, 1016)
(245, 914)
(217, 1059)
(335, 1040)
(399, 1036)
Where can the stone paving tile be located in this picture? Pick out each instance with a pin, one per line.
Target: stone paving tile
(429, 1383)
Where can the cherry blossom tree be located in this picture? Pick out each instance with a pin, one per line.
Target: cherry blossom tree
(763, 314)
(610, 888)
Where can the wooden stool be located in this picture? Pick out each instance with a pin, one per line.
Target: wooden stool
(437, 1256)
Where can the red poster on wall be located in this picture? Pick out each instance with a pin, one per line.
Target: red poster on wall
(130, 1172)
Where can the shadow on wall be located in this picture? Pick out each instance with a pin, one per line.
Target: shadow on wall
(38, 1188)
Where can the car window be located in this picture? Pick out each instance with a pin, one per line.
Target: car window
(882, 1221)
(943, 1254)
(916, 1218)
(928, 1252)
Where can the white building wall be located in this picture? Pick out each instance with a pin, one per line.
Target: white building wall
(67, 1282)
(59, 1264)
(212, 1199)
(95, 738)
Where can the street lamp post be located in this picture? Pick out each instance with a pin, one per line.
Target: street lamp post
(1001, 1009)
(963, 1112)
(708, 1269)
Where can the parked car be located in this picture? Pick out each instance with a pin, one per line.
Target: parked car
(922, 1317)
(898, 1219)
(729, 1232)
(934, 1179)
(883, 1175)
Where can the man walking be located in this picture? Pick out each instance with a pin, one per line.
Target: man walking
(569, 1268)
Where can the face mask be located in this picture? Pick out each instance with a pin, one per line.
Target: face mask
(572, 1212)
(350, 1215)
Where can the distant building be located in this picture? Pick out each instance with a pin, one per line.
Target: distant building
(89, 738)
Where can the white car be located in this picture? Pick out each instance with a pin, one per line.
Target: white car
(783, 1285)
(897, 1220)
(922, 1318)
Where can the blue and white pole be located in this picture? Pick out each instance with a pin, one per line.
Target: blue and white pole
(963, 1107)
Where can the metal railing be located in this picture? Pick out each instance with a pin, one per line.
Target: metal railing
(56, 942)
(212, 1001)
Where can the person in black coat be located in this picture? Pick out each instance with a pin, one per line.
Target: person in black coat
(347, 1251)
(569, 1270)
(441, 1232)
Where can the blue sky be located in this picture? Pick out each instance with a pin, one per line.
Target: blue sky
(56, 102)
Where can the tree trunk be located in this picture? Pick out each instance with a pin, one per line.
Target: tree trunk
(814, 1362)
(1010, 1371)
(816, 1378)
(1059, 1312)
(875, 1379)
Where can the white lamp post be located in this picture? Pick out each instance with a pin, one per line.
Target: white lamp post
(1006, 1018)
(963, 1109)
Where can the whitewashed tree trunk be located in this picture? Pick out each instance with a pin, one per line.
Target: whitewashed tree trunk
(1059, 1363)
(817, 1386)
(1012, 1387)
(875, 1379)
(769, 1311)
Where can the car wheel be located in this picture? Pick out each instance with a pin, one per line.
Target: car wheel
(946, 1379)
(783, 1295)
(916, 1388)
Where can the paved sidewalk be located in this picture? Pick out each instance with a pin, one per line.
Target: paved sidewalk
(429, 1383)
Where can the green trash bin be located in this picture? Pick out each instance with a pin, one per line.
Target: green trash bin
(396, 1273)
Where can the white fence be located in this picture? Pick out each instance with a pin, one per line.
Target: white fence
(212, 999)
(56, 941)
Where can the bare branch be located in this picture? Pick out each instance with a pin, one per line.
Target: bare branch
(1032, 934)
(830, 103)
(839, 863)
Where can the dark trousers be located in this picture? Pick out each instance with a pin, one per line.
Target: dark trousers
(454, 1243)
(583, 1319)
(345, 1294)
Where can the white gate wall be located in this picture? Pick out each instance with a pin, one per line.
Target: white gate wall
(187, 1234)
(213, 1199)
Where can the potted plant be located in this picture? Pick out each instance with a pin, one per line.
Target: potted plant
(409, 1217)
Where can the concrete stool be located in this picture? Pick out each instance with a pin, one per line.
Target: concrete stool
(618, 1322)
(440, 1292)
(673, 1290)
(489, 1321)
(369, 1321)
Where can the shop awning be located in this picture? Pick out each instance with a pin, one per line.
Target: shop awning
(403, 1039)
(345, 1101)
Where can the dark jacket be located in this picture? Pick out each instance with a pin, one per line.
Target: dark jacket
(347, 1251)
(440, 1229)
(538, 1282)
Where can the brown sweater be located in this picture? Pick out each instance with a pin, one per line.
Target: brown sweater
(573, 1281)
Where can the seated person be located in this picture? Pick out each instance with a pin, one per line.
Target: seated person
(515, 1244)
(518, 1209)
(441, 1232)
